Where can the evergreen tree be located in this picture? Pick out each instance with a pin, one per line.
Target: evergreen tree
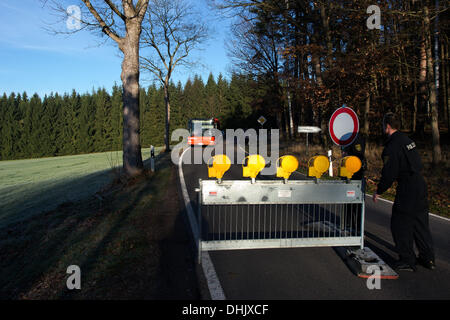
(157, 116)
(144, 101)
(198, 97)
(92, 122)
(103, 136)
(34, 137)
(9, 129)
(68, 122)
(211, 104)
(3, 106)
(116, 117)
(27, 131)
(46, 134)
(86, 122)
(239, 99)
(177, 118)
(57, 124)
(221, 98)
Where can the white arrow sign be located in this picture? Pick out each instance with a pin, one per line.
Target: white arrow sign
(308, 129)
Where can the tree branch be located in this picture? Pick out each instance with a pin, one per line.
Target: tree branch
(105, 28)
(117, 11)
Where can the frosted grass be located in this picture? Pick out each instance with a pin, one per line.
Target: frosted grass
(30, 186)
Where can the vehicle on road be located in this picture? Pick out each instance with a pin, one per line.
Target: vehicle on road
(199, 131)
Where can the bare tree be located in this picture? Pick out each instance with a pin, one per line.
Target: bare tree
(258, 53)
(171, 31)
(120, 21)
(253, 52)
(437, 156)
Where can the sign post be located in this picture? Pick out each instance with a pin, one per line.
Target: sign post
(330, 168)
(308, 130)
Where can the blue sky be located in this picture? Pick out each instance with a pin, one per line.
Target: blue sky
(33, 60)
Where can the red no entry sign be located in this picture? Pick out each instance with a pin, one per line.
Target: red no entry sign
(343, 126)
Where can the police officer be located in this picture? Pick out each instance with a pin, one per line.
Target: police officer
(409, 221)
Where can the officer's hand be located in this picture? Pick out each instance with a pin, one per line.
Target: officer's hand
(375, 197)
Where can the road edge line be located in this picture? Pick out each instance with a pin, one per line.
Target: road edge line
(215, 288)
(391, 202)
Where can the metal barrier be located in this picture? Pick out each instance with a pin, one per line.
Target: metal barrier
(239, 214)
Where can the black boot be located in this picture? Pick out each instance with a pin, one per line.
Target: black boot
(427, 263)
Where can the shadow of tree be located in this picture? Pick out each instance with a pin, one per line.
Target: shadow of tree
(117, 248)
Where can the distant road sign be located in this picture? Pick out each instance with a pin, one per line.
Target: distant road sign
(308, 129)
(343, 126)
(262, 120)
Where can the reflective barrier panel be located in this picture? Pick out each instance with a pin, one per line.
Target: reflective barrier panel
(240, 214)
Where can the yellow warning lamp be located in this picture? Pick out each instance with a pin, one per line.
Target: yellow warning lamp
(317, 166)
(255, 164)
(288, 164)
(220, 164)
(349, 166)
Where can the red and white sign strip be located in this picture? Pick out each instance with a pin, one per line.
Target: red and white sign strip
(343, 126)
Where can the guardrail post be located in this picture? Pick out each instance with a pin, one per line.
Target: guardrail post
(152, 158)
(199, 219)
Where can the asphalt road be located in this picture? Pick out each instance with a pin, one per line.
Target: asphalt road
(320, 273)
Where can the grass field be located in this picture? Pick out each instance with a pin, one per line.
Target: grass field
(128, 246)
(30, 186)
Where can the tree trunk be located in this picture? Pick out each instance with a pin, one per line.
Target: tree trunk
(437, 157)
(412, 119)
(447, 84)
(286, 124)
(399, 92)
(422, 89)
(366, 116)
(279, 119)
(322, 110)
(414, 115)
(167, 128)
(326, 27)
(290, 117)
(290, 120)
(132, 157)
(444, 73)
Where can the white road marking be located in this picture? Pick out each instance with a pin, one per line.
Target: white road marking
(214, 286)
(186, 199)
(391, 202)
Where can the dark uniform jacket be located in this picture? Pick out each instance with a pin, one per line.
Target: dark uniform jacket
(402, 164)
